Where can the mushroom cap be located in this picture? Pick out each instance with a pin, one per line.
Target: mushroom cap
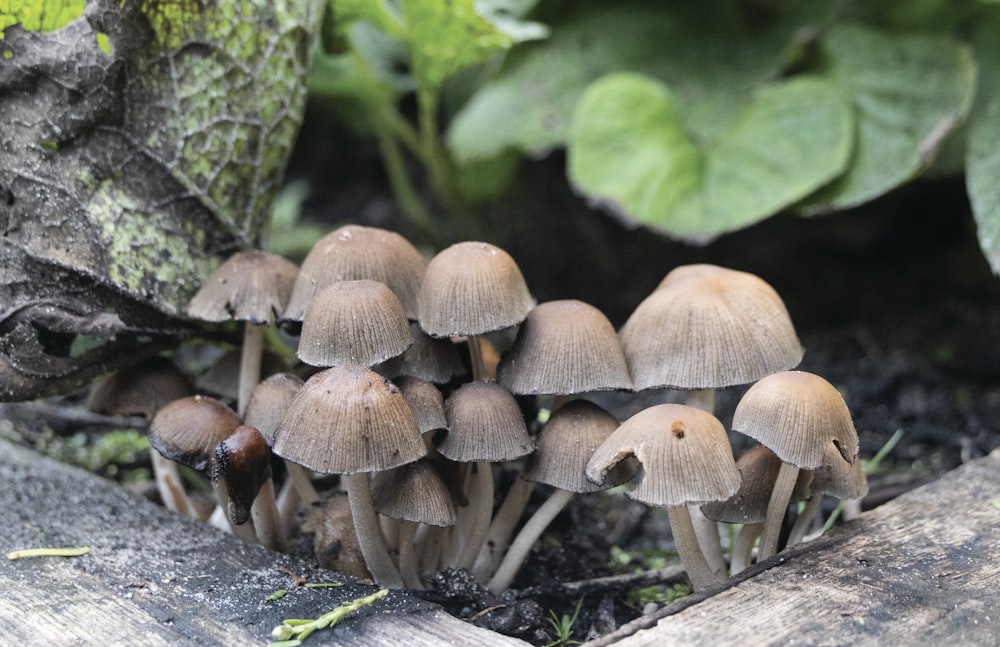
(758, 467)
(349, 419)
(565, 347)
(222, 377)
(838, 478)
(187, 430)
(414, 492)
(425, 400)
(567, 441)
(799, 416)
(485, 423)
(684, 454)
(353, 322)
(269, 401)
(472, 288)
(707, 327)
(249, 286)
(356, 252)
(429, 358)
(141, 389)
(244, 461)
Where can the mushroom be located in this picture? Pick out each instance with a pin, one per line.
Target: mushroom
(250, 287)
(429, 358)
(349, 420)
(835, 477)
(799, 416)
(242, 463)
(469, 289)
(685, 459)
(357, 252)
(353, 322)
(565, 444)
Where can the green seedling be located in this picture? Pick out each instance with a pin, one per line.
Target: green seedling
(563, 626)
(277, 595)
(293, 631)
(638, 598)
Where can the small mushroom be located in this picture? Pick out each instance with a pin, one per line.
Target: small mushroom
(429, 358)
(799, 416)
(685, 460)
(836, 478)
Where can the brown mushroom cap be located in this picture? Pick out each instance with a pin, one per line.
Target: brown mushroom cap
(838, 478)
(472, 288)
(425, 400)
(684, 452)
(244, 461)
(222, 377)
(141, 389)
(353, 322)
(250, 286)
(269, 402)
(349, 419)
(355, 252)
(799, 416)
(187, 430)
(565, 347)
(566, 443)
(485, 423)
(414, 492)
(429, 358)
(758, 467)
(708, 327)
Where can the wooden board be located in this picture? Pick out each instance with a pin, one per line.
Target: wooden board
(923, 569)
(154, 578)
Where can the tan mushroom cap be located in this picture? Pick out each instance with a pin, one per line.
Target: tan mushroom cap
(708, 327)
(799, 416)
(356, 252)
(187, 430)
(758, 467)
(429, 358)
(425, 400)
(485, 423)
(349, 419)
(222, 377)
(414, 492)
(472, 288)
(565, 347)
(684, 454)
(566, 443)
(141, 389)
(838, 478)
(269, 402)
(249, 286)
(353, 322)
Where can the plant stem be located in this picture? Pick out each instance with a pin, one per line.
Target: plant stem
(698, 570)
(805, 519)
(504, 522)
(366, 525)
(482, 498)
(250, 360)
(743, 547)
(781, 494)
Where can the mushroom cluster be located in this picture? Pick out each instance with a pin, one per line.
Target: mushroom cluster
(411, 385)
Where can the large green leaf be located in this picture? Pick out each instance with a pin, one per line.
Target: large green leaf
(140, 144)
(908, 92)
(711, 54)
(983, 152)
(629, 150)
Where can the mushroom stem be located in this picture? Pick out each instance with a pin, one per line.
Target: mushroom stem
(476, 357)
(245, 530)
(502, 528)
(707, 532)
(288, 505)
(526, 538)
(366, 526)
(482, 501)
(698, 570)
(743, 547)
(805, 519)
(267, 520)
(302, 481)
(250, 360)
(168, 483)
(781, 494)
(406, 534)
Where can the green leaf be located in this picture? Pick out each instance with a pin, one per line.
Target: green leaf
(908, 92)
(711, 55)
(629, 150)
(983, 152)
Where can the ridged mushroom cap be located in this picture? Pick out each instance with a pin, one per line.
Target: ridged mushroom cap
(565, 347)
(349, 419)
(758, 467)
(429, 358)
(684, 454)
(472, 288)
(356, 252)
(141, 389)
(567, 441)
(838, 478)
(799, 416)
(187, 430)
(484, 424)
(249, 286)
(414, 492)
(425, 400)
(353, 322)
(269, 401)
(707, 327)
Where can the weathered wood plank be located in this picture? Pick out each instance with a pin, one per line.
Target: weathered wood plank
(154, 578)
(922, 569)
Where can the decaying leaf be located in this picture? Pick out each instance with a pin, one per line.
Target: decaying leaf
(140, 144)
